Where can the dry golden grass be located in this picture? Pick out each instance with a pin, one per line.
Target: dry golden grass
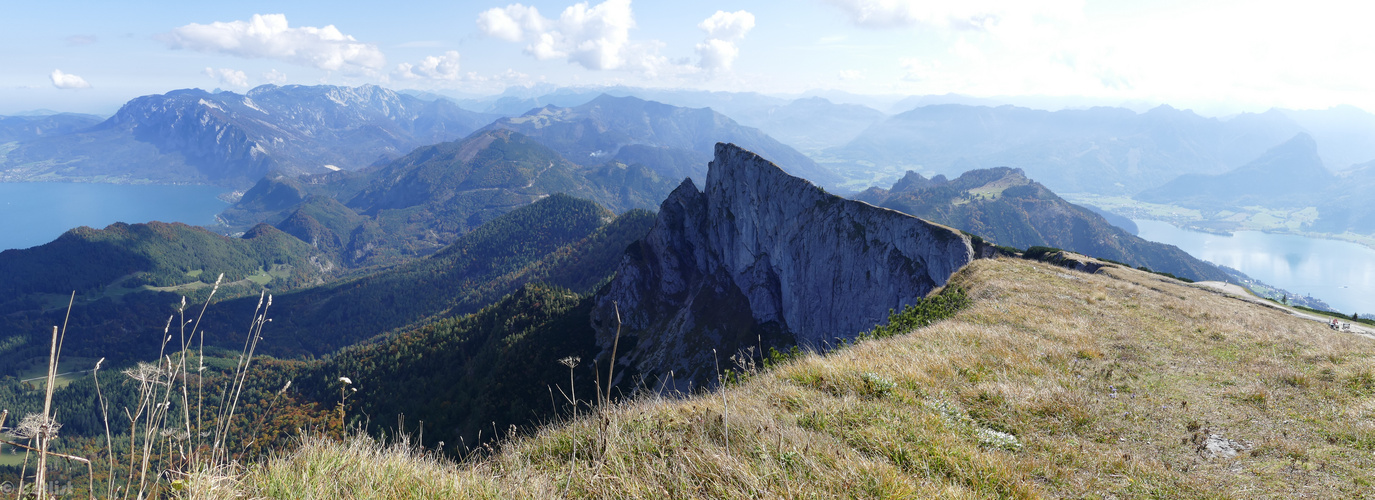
(1110, 383)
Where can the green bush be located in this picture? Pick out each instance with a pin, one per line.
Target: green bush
(925, 312)
(1039, 252)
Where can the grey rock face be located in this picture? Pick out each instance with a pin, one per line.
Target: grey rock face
(760, 256)
(1220, 447)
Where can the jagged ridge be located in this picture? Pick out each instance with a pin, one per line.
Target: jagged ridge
(760, 256)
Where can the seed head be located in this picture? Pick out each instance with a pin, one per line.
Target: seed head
(34, 425)
(145, 373)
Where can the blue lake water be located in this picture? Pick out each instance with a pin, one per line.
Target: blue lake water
(34, 213)
(1338, 272)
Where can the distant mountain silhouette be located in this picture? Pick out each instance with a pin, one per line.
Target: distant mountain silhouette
(23, 128)
(1288, 175)
(232, 139)
(598, 131)
(1101, 150)
(1347, 205)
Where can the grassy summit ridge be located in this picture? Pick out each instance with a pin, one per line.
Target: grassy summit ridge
(1050, 384)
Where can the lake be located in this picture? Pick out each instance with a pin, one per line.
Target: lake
(1338, 272)
(34, 213)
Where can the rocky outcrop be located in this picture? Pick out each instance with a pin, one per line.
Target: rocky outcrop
(1001, 205)
(761, 257)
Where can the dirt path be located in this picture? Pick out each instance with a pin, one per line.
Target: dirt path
(541, 172)
(1237, 292)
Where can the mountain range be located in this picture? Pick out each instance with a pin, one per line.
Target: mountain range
(425, 200)
(808, 123)
(472, 336)
(1287, 175)
(1290, 176)
(193, 136)
(1003, 206)
(598, 130)
(623, 153)
(24, 128)
(450, 228)
(1100, 150)
(404, 260)
(233, 140)
(1135, 146)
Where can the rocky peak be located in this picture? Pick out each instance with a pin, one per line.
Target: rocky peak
(759, 256)
(233, 139)
(913, 181)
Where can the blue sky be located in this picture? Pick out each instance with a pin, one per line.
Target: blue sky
(1213, 54)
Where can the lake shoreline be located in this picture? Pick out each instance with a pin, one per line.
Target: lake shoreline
(1340, 273)
(35, 213)
(1287, 222)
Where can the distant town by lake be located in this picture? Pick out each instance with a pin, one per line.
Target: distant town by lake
(34, 213)
(1337, 272)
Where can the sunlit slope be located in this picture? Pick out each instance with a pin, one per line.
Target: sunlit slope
(1052, 383)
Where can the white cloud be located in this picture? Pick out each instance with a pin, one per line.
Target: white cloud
(65, 81)
(916, 70)
(724, 30)
(966, 14)
(443, 67)
(595, 37)
(716, 55)
(512, 22)
(269, 36)
(507, 78)
(1223, 56)
(850, 75)
(228, 77)
(728, 25)
(274, 76)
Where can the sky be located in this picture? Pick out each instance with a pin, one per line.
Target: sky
(1214, 56)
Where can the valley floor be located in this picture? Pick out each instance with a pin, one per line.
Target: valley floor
(1052, 383)
(1262, 219)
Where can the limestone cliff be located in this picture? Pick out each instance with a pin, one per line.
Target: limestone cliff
(760, 256)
